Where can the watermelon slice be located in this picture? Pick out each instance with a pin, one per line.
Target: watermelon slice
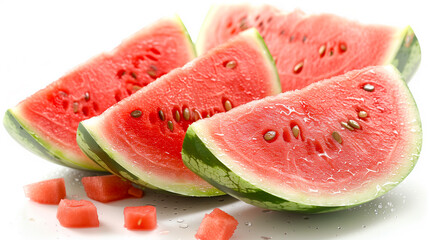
(46, 122)
(332, 145)
(46, 192)
(141, 137)
(308, 48)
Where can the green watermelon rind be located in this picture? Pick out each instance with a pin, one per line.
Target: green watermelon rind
(98, 150)
(103, 158)
(26, 136)
(201, 155)
(407, 55)
(92, 143)
(37, 145)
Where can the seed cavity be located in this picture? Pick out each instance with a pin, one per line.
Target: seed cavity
(231, 64)
(186, 114)
(197, 115)
(304, 38)
(322, 50)
(346, 125)
(296, 131)
(362, 114)
(354, 124)
(136, 113)
(270, 135)
(85, 110)
(120, 73)
(75, 107)
(227, 105)
(337, 137)
(152, 71)
(243, 24)
(86, 96)
(298, 67)
(177, 116)
(134, 75)
(161, 115)
(170, 125)
(62, 93)
(368, 87)
(135, 88)
(343, 47)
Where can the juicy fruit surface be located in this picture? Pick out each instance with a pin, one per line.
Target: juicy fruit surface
(311, 158)
(140, 218)
(106, 188)
(141, 137)
(46, 192)
(218, 225)
(309, 48)
(77, 214)
(51, 116)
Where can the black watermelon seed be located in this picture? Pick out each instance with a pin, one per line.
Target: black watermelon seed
(270, 135)
(368, 87)
(136, 113)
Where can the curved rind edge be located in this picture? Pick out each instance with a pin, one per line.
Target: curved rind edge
(89, 145)
(31, 142)
(92, 149)
(198, 158)
(277, 84)
(407, 55)
(188, 37)
(412, 111)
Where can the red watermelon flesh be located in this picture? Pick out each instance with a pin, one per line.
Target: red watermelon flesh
(141, 137)
(307, 48)
(218, 225)
(77, 214)
(51, 116)
(106, 188)
(333, 144)
(46, 192)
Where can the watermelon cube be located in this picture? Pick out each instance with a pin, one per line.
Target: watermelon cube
(135, 192)
(46, 192)
(218, 225)
(106, 188)
(77, 214)
(140, 218)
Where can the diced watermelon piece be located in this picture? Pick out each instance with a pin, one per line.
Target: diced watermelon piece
(77, 214)
(46, 192)
(140, 218)
(106, 188)
(135, 192)
(218, 225)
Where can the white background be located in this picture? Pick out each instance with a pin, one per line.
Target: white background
(41, 40)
